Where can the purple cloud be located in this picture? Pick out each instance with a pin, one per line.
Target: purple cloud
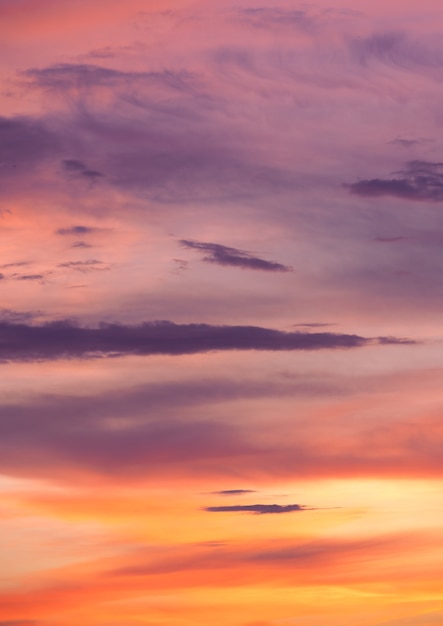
(75, 167)
(422, 181)
(23, 143)
(54, 340)
(398, 50)
(90, 265)
(224, 255)
(233, 492)
(258, 509)
(76, 230)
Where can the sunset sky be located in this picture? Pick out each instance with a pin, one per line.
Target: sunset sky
(221, 342)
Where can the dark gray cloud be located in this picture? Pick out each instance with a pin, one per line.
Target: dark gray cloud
(64, 339)
(258, 509)
(233, 492)
(421, 181)
(224, 255)
(76, 230)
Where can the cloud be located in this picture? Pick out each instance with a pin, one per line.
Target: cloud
(421, 181)
(23, 143)
(398, 50)
(64, 339)
(233, 492)
(268, 17)
(280, 17)
(67, 76)
(160, 427)
(259, 509)
(15, 264)
(332, 561)
(19, 622)
(313, 325)
(163, 134)
(390, 239)
(28, 276)
(75, 167)
(81, 244)
(76, 230)
(16, 317)
(89, 265)
(223, 255)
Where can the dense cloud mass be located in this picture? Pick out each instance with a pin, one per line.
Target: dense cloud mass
(66, 340)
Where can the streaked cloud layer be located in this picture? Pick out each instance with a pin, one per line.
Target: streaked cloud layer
(220, 341)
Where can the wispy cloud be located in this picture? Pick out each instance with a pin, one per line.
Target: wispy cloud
(233, 492)
(259, 509)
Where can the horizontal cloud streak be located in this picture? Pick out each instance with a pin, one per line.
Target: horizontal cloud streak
(22, 342)
(258, 509)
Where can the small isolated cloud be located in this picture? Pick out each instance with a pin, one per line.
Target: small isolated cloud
(180, 266)
(406, 143)
(76, 230)
(420, 181)
(78, 168)
(28, 276)
(258, 509)
(224, 255)
(91, 265)
(81, 244)
(233, 492)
